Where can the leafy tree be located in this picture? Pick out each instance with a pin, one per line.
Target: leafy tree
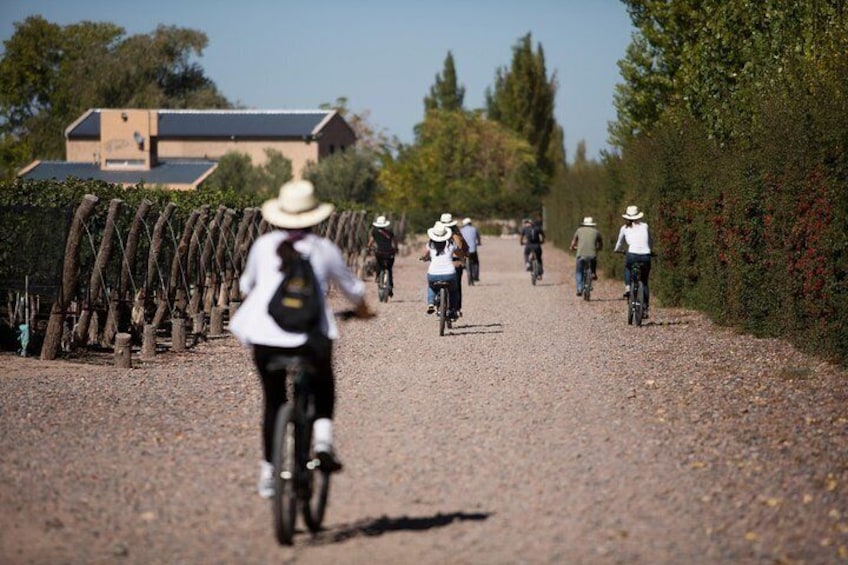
(464, 162)
(446, 94)
(235, 172)
(523, 100)
(271, 176)
(345, 177)
(49, 75)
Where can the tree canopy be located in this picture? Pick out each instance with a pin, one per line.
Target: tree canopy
(446, 93)
(51, 74)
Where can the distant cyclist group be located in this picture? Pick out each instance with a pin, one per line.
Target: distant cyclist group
(289, 269)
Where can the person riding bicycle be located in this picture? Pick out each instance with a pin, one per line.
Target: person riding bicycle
(384, 244)
(636, 235)
(293, 213)
(472, 238)
(532, 238)
(459, 253)
(587, 241)
(439, 252)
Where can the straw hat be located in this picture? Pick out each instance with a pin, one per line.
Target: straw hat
(439, 232)
(448, 220)
(296, 207)
(381, 222)
(466, 221)
(589, 221)
(632, 213)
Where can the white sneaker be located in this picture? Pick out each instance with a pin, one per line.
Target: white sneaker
(265, 485)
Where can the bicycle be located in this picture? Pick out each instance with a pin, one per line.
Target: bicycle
(469, 269)
(535, 269)
(384, 289)
(586, 269)
(299, 479)
(636, 297)
(442, 304)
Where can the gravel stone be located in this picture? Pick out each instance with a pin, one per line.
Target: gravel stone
(540, 429)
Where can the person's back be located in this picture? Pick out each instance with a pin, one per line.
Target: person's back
(532, 238)
(587, 241)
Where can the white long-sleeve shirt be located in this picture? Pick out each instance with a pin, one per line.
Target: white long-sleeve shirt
(637, 237)
(252, 324)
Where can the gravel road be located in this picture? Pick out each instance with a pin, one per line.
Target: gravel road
(542, 429)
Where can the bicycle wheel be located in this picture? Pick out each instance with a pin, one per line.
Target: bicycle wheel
(534, 269)
(587, 281)
(443, 309)
(639, 305)
(383, 285)
(316, 489)
(284, 505)
(631, 300)
(469, 271)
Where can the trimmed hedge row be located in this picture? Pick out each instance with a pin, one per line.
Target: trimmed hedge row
(755, 234)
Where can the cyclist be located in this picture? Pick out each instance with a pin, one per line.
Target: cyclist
(636, 235)
(532, 238)
(294, 212)
(587, 241)
(459, 252)
(439, 253)
(384, 244)
(472, 238)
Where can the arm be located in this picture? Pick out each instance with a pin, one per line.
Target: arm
(574, 241)
(620, 242)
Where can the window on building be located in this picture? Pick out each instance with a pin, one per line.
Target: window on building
(124, 163)
(332, 149)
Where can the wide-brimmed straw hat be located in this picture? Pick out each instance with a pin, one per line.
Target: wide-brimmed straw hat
(632, 213)
(296, 207)
(381, 222)
(589, 221)
(448, 220)
(439, 232)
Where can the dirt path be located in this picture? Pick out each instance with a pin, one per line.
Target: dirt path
(543, 429)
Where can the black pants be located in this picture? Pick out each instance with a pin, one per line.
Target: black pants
(274, 384)
(537, 247)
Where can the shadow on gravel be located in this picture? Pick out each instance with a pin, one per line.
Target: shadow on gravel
(384, 524)
(483, 329)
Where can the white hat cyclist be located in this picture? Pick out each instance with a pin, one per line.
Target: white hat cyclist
(294, 212)
(636, 235)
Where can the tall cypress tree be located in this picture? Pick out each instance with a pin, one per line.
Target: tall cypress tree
(446, 93)
(523, 100)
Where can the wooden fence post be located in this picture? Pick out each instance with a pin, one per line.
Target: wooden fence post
(95, 284)
(178, 334)
(123, 351)
(68, 288)
(148, 343)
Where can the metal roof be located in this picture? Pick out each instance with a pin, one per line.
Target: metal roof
(177, 124)
(165, 172)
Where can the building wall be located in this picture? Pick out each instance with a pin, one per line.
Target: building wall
(125, 139)
(83, 151)
(336, 136)
(299, 152)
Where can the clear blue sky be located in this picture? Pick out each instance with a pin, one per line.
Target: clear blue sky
(383, 55)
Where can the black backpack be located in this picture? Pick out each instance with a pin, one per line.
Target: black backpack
(297, 306)
(534, 234)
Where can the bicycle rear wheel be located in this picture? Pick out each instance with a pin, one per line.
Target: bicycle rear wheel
(284, 506)
(639, 305)
(316, 489)
(383, 285)
(587, 281)
(469, 271)
(534, 269)
(443, 309)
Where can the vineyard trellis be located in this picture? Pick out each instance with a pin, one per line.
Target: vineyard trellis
(127, 270)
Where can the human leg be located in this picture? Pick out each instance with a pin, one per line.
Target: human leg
(274, 395)
(579, 274)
